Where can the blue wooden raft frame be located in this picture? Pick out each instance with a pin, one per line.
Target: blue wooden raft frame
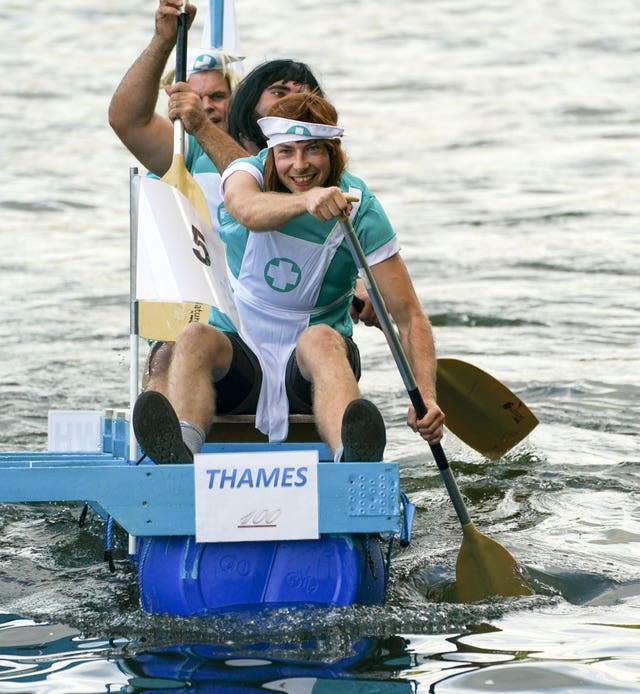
(148, 499)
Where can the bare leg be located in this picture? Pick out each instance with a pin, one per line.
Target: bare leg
(171, 426)
(156, 369)
(200, 353)
(322, 357)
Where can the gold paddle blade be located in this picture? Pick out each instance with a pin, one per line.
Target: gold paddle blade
(480, 410)
(485, 568)
(179, 177)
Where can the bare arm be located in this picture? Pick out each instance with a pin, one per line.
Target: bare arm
(262, 211)
(416, 338)
(132, 115)
(221, 147)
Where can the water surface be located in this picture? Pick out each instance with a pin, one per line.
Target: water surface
(503, 141)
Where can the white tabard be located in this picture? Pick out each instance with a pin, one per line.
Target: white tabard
(276, 293)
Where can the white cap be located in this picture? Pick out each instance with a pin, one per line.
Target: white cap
(205, 59)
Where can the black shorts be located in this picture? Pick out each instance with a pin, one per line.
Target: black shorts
(238, 391)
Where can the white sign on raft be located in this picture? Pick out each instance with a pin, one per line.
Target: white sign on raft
(180, 258)
(270, 495)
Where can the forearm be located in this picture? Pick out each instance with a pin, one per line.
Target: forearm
(221, 148)
(414, 328)
(418, 344)
(260, 211)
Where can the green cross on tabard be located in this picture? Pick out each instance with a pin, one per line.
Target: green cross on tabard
(282, 274)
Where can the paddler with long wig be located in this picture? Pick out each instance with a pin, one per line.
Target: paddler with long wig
(293, 278)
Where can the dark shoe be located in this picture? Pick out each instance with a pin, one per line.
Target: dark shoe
(158, 431)
(363, 432)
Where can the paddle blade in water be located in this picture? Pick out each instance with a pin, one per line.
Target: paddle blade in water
(480, 410)
(485, 568)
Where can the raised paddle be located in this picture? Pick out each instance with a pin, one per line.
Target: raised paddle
(163, 320)
(177, 175)
(484, 567)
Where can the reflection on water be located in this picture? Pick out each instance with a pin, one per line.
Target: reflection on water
(55, 658)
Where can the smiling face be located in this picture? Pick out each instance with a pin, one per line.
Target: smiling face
(302, 165)
(213, 89)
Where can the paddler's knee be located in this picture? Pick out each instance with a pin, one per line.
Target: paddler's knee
(321, 338)
(197, 336)
(200, 345)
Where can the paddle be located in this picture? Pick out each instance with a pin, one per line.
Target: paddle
(479, 409)
(177, 175)
(163, 320)
(484, 567)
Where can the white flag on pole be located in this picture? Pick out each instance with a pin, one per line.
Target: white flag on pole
(179, 258)
(221, 29)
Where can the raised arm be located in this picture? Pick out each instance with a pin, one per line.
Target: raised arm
(416, 336)
(132, 111)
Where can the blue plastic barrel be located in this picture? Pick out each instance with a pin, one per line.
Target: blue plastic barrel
(179, 576)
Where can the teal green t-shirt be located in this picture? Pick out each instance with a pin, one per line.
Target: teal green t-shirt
(371, 225)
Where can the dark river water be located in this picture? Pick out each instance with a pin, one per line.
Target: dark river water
(502, 139)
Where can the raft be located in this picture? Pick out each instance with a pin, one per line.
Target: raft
(324, 538)
(360, 511)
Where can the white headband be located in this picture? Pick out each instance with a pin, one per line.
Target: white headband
(279, 130)
(205, 59)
